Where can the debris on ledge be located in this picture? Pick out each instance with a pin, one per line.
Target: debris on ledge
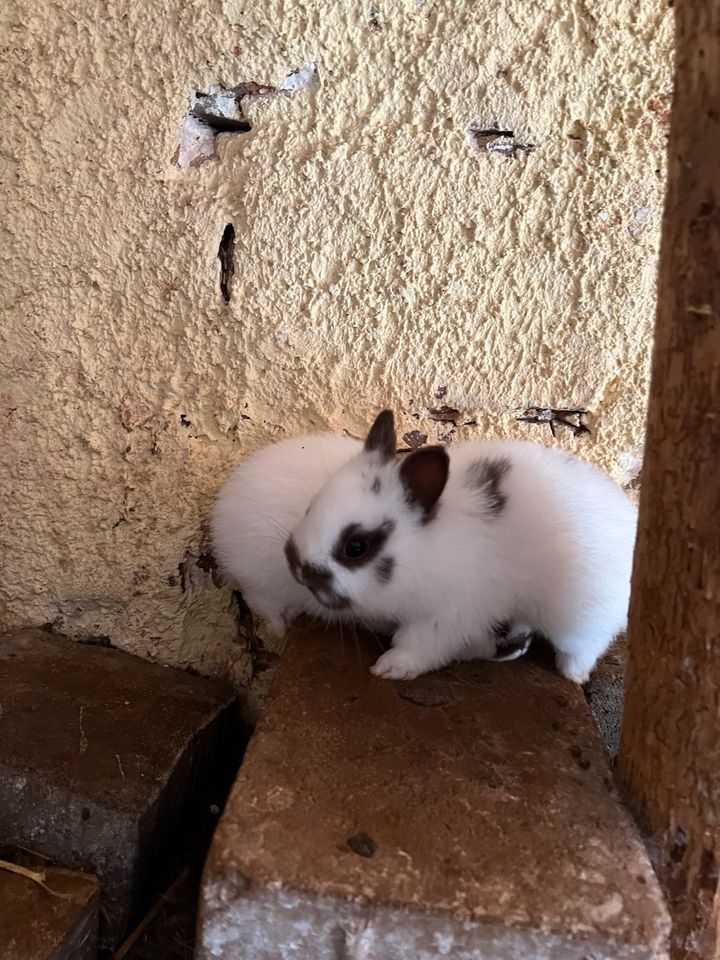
(220, 111)
(46, 911)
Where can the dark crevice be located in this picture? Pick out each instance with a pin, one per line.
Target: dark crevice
(226, 256)
(556, 417)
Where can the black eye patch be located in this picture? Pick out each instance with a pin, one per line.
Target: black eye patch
(357, 545)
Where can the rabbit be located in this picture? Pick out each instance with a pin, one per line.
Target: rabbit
(464, 546)
(264, 498)
(253, 514)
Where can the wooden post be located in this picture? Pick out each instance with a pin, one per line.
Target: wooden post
(670, 748)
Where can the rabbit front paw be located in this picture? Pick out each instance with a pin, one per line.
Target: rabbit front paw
(397, 664)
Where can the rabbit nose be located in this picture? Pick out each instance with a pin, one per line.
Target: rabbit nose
(316, 578)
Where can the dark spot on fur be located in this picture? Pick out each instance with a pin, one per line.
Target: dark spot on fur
(293, 558)
(376, 485)
(375, 539)
(384, 569)
(486, 476)
(513, 647)
(428, 516)
(507, 647)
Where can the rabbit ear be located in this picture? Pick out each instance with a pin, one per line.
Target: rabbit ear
(381, 438)
(424, 474)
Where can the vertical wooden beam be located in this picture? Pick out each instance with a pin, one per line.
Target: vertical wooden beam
(670, 747)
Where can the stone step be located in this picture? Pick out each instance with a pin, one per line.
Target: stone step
(57, 923)
(103, 757)
(469, 814)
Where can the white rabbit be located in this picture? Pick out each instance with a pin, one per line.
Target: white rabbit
(258, 506)
(256, 509)
(465, 545)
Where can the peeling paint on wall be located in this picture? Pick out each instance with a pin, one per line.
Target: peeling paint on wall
(220, 111)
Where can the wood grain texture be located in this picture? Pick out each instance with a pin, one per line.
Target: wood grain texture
(670, 747)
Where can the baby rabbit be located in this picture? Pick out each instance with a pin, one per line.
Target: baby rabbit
(261, 502)
(456, 547)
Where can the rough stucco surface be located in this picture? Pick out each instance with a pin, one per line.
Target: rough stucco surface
(379, 259)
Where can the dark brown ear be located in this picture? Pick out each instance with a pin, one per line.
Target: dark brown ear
(424, 474)
(381, 438)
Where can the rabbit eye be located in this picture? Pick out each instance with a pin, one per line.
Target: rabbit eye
(356, 548)
(356, 545)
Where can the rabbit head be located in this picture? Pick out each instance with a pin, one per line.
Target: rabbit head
(364, 519)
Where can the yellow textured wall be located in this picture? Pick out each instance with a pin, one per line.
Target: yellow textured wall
(379, 259)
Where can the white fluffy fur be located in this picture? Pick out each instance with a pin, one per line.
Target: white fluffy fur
(260, 504)
(557, 558)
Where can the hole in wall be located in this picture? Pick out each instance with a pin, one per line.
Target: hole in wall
(226, 256)
(220, 111)
(494, 139)
(571, 417)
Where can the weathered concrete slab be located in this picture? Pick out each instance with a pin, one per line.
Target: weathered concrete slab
(470, 815)
(38, 925)
(102, 756)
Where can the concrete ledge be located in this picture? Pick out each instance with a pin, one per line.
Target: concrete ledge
(103, 758)
(470, 814)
